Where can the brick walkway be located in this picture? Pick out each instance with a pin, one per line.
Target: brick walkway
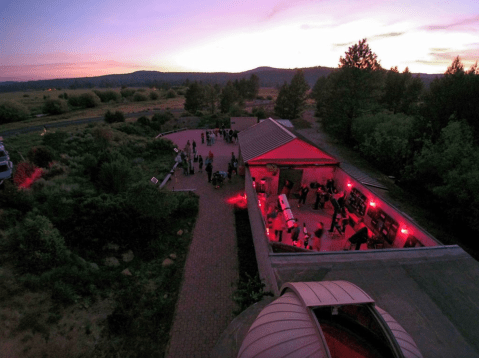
(205, 305)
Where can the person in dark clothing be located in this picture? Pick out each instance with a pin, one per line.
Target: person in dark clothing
(209, 170)
(303, 191)
(288, 185)
(194, 146)
(360, 237)
(233, 158)
(321, 197)
(295, 230)
(202, 138)
(200, 164)
(230, 171)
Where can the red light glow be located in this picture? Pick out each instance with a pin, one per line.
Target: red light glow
(404, 230)
(372, 203)
(350, 185)
(238, 200)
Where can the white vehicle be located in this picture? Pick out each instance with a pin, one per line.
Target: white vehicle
(6, 170)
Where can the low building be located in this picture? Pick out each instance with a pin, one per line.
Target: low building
(428, 287)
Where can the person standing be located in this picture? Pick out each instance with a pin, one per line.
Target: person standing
(288, 185)
(202, 138)
(209, 171)
(303, 192)
(317, 236)
(233, 158)
(230, 171)
(213, 138)
(194, 146)
(295, 233)
(278, 226)
(200, 164)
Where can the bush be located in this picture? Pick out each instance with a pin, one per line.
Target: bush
(269, 98)
(64, 293)
(154, 96)
(40, 245)
(139, 97)
(171, 93)
(55, 140)
(249, 291)
(118, 116)
(127, 92)
(12, 111)
(89, 100)
(102, 135)
(162, 118)
(107, 96)
(114, 177)
(143, 120)
(40, 155)
(55, 106)
(74, 101)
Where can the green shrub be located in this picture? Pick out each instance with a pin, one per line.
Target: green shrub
(55, 140)
(163, 117)
(40, 245)
(55, 106)
(249, 291)
(74, 101)
(154, 95)
(107, 96)
(143, 120)
(40, 155)
(188, 205)
(127, 92)
(114, 177)
(64, 293)
(171, 93)
(118, 116)
(12, 111)
(89, 100)
(139, 97)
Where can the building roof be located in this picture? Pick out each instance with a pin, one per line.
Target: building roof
(262, 138)
(431, 292)
(283, 328)
(284, 122)
(328, 293)
(287, 327)
(269, 142)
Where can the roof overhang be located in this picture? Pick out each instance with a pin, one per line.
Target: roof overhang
(328, 293)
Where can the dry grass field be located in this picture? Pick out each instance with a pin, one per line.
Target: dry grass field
(34, 101)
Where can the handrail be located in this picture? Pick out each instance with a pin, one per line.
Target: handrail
(173, 131)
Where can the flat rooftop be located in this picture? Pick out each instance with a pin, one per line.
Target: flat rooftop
(432, 292)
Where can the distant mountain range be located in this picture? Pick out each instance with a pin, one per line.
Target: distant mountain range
(269, 77)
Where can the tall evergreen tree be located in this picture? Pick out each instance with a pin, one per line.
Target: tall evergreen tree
(229, 95)
(194, 97)
(352, 90)
(281, 107)
(297, 94)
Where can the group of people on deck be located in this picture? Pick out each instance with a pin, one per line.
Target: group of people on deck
(189, 155)
(229, 135)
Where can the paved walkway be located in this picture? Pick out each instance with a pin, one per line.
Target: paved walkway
(205, 305)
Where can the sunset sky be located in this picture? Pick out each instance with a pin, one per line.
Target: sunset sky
(57, 39)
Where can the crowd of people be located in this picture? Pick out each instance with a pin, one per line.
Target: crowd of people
(188, 156)
(324, 193)
(229, 135)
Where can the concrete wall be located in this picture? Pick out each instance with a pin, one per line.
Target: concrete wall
(261, 245)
